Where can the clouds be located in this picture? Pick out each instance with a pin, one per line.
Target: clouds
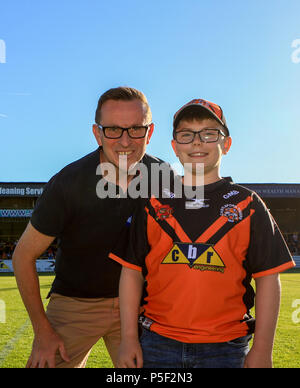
(3, 116)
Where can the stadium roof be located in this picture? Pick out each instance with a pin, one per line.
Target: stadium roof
(275, 190)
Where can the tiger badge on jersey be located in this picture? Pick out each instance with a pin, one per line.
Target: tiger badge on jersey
(197, 256)
(163, 212)
(232, 212)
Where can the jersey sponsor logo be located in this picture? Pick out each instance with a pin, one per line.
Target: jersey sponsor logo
(231, 194)
(129, 220)
(232, 212)
(163, 211)
(196, 203)
(197, 256)
(169, 193)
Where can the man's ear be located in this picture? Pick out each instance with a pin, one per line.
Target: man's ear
(227, 145)
(150, 132)
(97, 135)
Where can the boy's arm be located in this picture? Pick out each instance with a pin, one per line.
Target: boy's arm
(267, 305)
(131, 288)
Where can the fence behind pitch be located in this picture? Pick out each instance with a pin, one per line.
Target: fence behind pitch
(297, 261)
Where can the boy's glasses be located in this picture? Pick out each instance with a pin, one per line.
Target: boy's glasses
(137, 132)
(206, 136)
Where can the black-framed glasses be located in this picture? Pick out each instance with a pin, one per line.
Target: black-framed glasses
(135, 132)
(205, 135)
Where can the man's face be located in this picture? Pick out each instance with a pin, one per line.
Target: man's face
(210, 154)
(123, 114)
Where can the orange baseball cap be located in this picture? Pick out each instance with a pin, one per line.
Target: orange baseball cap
(215, 111)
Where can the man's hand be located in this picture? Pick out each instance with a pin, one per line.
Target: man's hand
(46, 341)
(44, 349)
(130, 354)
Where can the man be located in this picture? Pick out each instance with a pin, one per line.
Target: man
(199, 262)
(84, 296)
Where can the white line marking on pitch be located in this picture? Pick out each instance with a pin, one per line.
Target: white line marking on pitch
(9, 347)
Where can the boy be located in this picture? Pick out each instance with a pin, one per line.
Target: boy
(198, 259)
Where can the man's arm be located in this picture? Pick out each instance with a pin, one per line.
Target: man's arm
(267, 305)
(46, 342)
(131, 288)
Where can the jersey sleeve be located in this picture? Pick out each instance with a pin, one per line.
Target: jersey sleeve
(132, 246)
(50, 213)
(268, 253)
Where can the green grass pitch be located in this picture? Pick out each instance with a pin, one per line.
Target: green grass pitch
(16, 333)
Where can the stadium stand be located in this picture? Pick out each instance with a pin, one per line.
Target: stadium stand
(7, 248)
(297, 261)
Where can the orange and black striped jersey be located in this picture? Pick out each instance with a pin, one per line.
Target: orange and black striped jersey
(198, 259)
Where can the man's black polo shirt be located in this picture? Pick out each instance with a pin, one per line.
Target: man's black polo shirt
(87, 228)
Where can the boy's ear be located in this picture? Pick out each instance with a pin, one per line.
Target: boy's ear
(227, 145)
(173, 143)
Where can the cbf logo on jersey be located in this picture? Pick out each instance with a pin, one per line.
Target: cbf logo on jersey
(197, 256)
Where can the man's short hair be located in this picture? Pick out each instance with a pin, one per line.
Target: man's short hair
(123, 93)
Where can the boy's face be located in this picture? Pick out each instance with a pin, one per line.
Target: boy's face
(210, 154)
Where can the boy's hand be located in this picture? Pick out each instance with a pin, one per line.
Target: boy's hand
(267, 306)
(258, 359)
(130, 354)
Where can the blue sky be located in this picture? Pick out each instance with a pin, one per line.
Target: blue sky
(62, 55)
